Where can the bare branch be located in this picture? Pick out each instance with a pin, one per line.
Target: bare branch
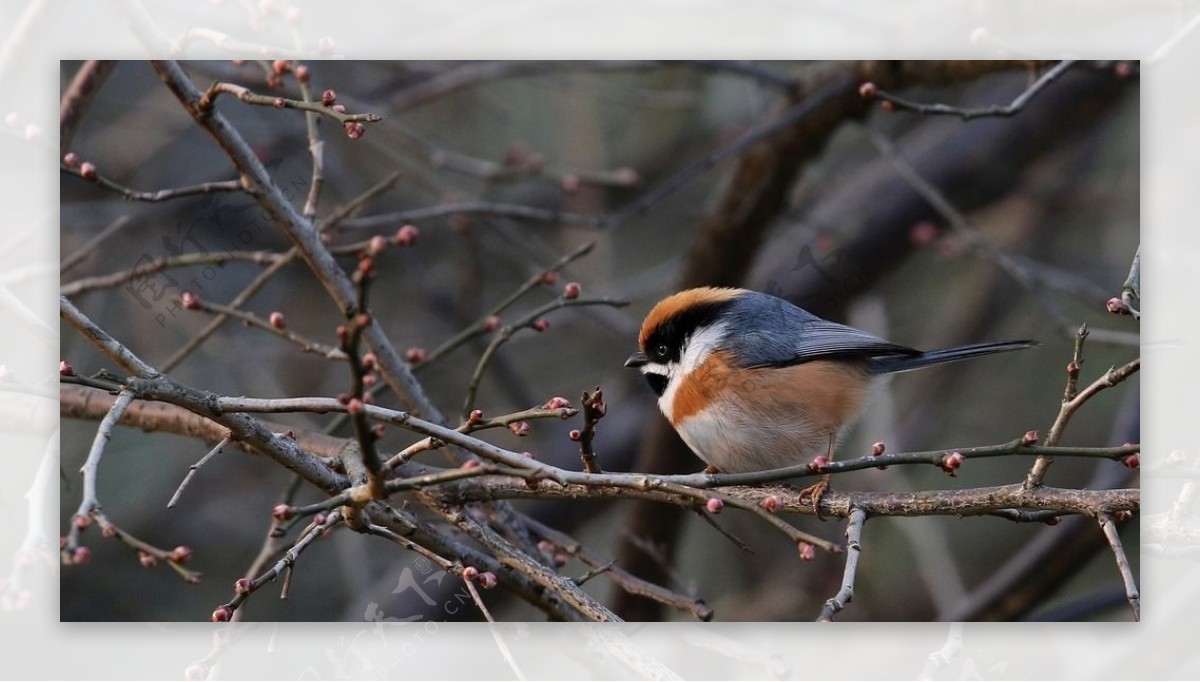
(854, 529)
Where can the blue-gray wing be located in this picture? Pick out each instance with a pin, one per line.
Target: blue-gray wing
(773, 332)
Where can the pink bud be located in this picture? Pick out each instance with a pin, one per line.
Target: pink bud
(952, 461)
(222, 614)
(281, 512)
(71, 160)
(407, 235)
(181, 554)
(147, 559)
(277, 320)
(868, 90)
(241, 585)
(487, 580)
(1030, 437)
(819, 463)
(65, 369)
(520, 429)
(714, 505)
(575, 434)
(88, 170)
(556, 403)
(541, 324)
(770, 503)
(415, 355)
(376, 245)
(328, 97)
(878, 449)
(807, 551)
(571, 291)
(470, 573)
(1132, 461)
(190, 301)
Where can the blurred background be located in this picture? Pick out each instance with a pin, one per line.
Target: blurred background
(821, 214)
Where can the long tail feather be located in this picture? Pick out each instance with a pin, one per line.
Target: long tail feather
(904, 363)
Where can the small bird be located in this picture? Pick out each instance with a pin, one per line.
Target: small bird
(752, 382)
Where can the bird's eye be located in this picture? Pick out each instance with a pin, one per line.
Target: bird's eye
(661, 350)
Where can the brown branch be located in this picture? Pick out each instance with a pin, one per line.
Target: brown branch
(78, 402)
(963, 502)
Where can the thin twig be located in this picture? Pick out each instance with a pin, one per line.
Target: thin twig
(529, 321)
(854, 529)
(92, 244)
(487, 615)
(316, 149)
(78, 96)
(1025, 272)
(206, 101)
(1109, 526)
(1110, 378)
(244, 295)
(1131, 290)
(157, 195)
(91, 466)
(304, 344)
(622, 578)
(332, 220)
(593, 411)
(184, 260)
(966, 114)
(192, 470)
(471, 427)
(491, 208)
(249, 587)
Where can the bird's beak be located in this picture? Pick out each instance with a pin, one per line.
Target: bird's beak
(638, 359)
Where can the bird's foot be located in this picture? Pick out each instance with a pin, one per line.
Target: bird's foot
(813, 493)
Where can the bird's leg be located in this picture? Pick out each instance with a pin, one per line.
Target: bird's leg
(815, 491)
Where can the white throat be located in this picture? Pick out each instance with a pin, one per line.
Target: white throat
(696, 349)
